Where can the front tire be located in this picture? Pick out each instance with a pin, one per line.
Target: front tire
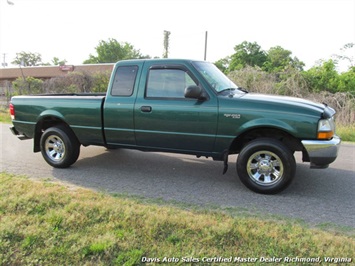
(59, 146)
(266, 166)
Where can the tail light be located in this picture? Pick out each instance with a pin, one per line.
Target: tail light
(12, 111)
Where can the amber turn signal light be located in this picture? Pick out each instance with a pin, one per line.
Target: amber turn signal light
(325, 135)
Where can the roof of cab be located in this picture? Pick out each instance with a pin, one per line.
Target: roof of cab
(157, 60)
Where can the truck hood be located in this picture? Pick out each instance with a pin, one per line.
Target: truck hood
(286, 100)
(274, 103)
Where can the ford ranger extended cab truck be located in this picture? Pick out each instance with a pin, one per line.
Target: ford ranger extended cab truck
(182, 106)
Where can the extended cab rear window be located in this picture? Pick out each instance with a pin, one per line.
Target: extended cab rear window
(123, 83)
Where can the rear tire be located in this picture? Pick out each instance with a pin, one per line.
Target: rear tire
(266, 166)
(59, 146)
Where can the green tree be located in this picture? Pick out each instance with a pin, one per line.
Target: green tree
(279, 59)
(27, 59)
(347, 54)
(112, 51)
(247, 54)
(223, 64)
(57, 62)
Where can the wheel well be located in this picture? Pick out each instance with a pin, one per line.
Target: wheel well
(41, 126)
(290, 141)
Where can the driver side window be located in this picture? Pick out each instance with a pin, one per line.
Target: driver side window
(168, 83)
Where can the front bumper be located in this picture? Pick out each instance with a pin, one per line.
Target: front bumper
(320, 153)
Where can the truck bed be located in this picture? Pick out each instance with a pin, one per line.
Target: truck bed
(82, 111)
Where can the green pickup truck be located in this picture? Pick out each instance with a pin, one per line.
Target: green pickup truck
(182, 106)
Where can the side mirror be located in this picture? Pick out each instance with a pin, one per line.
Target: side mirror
(194, 92)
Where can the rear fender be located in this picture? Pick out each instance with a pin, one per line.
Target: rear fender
(46, 120)
(50, 113)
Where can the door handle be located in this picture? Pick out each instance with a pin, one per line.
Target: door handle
(146, 109)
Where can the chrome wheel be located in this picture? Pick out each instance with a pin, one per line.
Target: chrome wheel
(265, 168)
(55, 148)
(59, 146)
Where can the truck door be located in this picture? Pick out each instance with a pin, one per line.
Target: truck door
(119, 105)
(165, 119)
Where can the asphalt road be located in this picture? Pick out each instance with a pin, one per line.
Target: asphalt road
(317, 197)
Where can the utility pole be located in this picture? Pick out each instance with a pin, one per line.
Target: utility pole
(205, 46)
(166, 44)
(4, 64)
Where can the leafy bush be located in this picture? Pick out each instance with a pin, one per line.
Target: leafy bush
(324, 77)
(101, 81)
(74, 82)
(295, 83)
(71, 83)
(28, 85)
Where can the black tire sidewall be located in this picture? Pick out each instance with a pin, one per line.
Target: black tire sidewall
(280, 150)
(72, 146)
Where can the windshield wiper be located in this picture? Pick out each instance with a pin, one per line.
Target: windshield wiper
(233, 89)
(228, 89)
(243, 90)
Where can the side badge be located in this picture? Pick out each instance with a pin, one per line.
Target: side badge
(233, 116)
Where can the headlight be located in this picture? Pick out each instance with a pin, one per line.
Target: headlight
(326, 128)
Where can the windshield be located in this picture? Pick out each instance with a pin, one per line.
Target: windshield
(218, 81)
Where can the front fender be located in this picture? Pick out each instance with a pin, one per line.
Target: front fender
(237, 133)
(266, 123)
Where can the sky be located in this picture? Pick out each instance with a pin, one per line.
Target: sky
(71, 29)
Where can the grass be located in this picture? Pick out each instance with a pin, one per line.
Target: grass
(5, 115)
(43, 223)
(346, 133)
